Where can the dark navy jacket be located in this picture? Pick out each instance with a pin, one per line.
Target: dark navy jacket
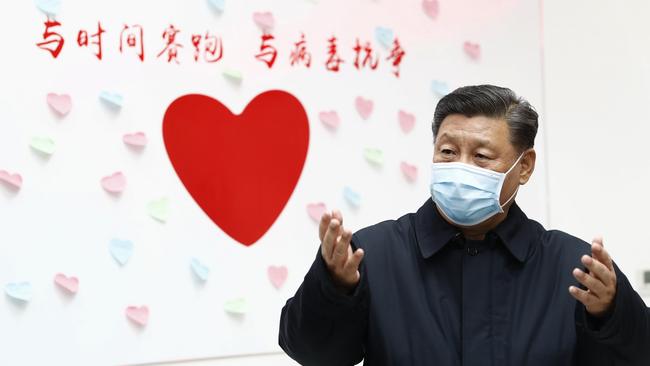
(429, 297)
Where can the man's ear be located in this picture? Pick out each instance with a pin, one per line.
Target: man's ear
(527, 165)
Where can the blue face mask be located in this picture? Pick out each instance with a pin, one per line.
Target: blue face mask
(466, 194)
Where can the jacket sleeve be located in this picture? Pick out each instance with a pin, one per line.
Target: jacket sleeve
(622, 337)
(320, 325)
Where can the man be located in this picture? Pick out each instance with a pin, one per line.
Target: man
(468, 279)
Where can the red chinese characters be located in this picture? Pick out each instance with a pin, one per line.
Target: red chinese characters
(267, 53)
(209, 48)
(133, 37)
(171, 46)
(52, 41)
(300, 54)
(82, 39)
(333, 59)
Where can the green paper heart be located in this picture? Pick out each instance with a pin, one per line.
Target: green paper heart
(233, 75)
(43, 145)
(374, 156)
(236, 306)
(159, 209)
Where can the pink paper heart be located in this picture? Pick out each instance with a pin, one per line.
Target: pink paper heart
(278, 275)
(138, 315)
(316, 210)
(364, 107)
(409, 171)
(114, 183)
(137, 139)
(71, 284)
(61, 103)
(14, 180)
(264, 20)
(431, 8)
(473, 50)
(330, 119)
(406, 121)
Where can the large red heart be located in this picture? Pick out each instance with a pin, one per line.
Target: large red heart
(240, 169)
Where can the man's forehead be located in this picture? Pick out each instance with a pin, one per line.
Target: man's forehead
(457, 126)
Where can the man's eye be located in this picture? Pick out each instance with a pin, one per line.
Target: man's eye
(447, 151)
(481, 156)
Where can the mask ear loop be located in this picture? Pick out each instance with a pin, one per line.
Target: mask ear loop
(506, 174)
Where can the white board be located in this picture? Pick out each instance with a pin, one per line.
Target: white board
(62, 221)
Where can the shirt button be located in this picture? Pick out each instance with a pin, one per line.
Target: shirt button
(472, 251)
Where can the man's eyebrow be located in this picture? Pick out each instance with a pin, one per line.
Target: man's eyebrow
(452, 136)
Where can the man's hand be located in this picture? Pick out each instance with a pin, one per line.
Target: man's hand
(342, 263)
(600, 281)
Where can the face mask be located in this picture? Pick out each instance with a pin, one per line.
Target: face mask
(466, 194)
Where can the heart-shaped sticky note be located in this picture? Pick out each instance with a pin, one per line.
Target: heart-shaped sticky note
(49, 7)
(330, 119)
(364, 107)
(406, 121)
(351, 197)
(473, 50)
(114, 183)
(200, 270)
(114, 100)
(233, 75)
(236, 306)
(138, 314)
(218, 5)
(316, 210)
(278, 275)
(121, 250)
(439, 88)
(14, 181)
(431, 8)
(19, 291)
(43, 145)
(410, 171)
(264, 20)
(159, 209)
(374, 156)
(137, 139)
(384, 36)
(60, 103)
(70, 284)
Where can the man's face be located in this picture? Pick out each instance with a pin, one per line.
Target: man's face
(483, 142)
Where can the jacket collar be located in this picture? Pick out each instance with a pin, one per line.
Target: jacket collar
(433, 232)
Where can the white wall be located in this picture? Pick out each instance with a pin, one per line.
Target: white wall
(597, 74)
(597, 69)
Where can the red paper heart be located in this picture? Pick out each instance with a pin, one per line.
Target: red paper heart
(240, 169)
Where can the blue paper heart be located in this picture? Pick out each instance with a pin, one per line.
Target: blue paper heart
(49, 7)
(19, 290)
(201, 271)
(440, 88)
(218, 5)
(114, 99)
(384, 36)
(352, 197)
(121, 250)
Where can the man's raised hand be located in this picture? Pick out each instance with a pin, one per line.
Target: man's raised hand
(342, 263)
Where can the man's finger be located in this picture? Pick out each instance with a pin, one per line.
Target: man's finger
(329, 239)
(341, 248)
(583, 296)
(597, 269)
(590, 282)
(598, 251)
(324, 223)
(337, 215)
(352, 265)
